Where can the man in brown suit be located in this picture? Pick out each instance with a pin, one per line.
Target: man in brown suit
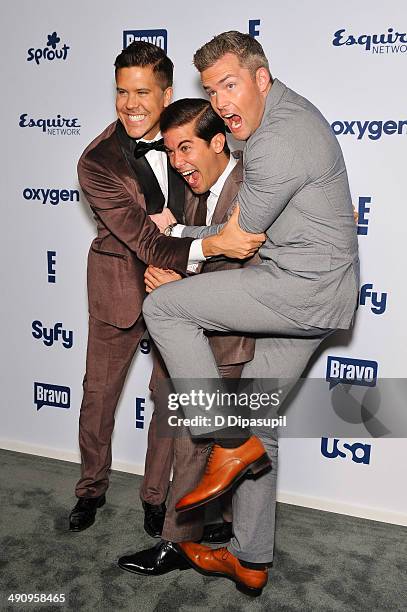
(196, 143)
(123, 185)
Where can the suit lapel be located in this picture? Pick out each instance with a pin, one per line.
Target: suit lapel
(229, 192)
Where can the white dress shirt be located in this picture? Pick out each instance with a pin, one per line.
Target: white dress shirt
(158, 163)
(195, 252)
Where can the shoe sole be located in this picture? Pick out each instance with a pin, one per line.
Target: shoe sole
(257, 467)
(243, 588)
(76, 530)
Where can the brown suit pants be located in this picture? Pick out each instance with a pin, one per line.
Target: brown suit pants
(109, 355)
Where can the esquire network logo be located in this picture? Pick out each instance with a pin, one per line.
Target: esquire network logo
(371, 129)
(50, 52)
(56, 126)
(389, 42)
(51, 395)
(45, 195)
(155, 37)
(349, 371)
(50, 335)
(360, 453)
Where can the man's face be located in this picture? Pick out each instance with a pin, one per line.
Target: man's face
(199, 162)
(140, 101)
(236, 95)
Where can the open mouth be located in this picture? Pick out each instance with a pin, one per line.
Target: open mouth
(233, 121)
(191, 177)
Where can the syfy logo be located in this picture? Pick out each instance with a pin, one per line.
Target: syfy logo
(155, 37)
(139, 412)
(52, 334)
(373, 129)
(360, 453)
(51, 395)
(57, 126)
(378, 300)
(50, 196)
(351, 372)
(376, 43)
(363, 211)
(50, 52)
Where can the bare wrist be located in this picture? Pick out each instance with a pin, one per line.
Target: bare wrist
(211, 246)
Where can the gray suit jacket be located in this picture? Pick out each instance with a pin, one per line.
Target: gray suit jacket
(295, 188)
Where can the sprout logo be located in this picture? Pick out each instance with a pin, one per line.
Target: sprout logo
(50, 52)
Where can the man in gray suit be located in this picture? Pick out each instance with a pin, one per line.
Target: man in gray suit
(295, 189)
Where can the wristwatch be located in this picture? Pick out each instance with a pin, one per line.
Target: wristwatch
(169, 228)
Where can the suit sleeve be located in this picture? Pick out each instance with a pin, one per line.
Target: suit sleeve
(127, 220)
(273, 173)
(195, 231)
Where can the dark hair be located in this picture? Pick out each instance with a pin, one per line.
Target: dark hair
(247, 49)
(140, 53)
(206, 122)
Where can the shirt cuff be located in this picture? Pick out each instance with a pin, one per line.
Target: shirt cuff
(196, 253)
(177, 230)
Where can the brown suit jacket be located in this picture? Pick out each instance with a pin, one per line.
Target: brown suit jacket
(127, 239)
(227, 349)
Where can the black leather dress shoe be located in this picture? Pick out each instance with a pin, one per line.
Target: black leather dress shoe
(217, 533)
(161, 559)
(84, 513)
(154, 517)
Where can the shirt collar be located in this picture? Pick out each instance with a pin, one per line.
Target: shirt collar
(218, 186)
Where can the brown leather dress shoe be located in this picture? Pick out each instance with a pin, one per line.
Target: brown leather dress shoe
(220, 562)
(225, 467)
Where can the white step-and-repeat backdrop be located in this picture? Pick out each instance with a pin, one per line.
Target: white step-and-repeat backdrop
(350, 59)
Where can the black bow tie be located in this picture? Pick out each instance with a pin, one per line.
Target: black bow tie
(142, 147)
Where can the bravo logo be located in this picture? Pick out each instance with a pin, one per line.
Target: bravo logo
(372, 129)
(52, 334)
(378, 301)
(155, 37)
(50, 52)
(351, 371)
(51, 395)
(360, 453)
(389, 42)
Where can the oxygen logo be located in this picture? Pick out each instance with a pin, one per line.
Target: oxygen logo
(50, 335)
(45, 195)
(372, 129)
(390, 42)
(51, 395)
(155, 37)
(50, 52)
(351, 371)
(378, 301)
(358, 452)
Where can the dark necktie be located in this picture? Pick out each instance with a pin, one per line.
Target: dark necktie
(142, 147)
